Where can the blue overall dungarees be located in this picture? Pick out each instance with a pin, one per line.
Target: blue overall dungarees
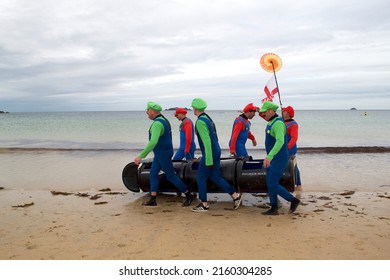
(163, 153)
(242, 137)
(180, 153)
(278, 165)
(205, 172)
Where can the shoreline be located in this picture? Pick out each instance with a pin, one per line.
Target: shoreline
(40, 225)
(302, 150)
(93, 171)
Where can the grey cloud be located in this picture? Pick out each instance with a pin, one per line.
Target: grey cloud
(119, 54)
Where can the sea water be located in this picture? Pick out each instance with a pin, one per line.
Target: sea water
(88, 150)
(128, 130)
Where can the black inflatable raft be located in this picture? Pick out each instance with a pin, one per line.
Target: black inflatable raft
(246, 175)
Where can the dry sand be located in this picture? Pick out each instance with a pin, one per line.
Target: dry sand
(106, 225)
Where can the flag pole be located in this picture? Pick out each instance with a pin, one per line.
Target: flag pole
(277, 86)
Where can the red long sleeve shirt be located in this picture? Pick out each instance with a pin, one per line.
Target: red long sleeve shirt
(293, 132)
(238, 127)
(187, 129)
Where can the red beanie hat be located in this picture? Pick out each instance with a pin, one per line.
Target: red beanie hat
(180, 111)
(289, 110)
(250, 107)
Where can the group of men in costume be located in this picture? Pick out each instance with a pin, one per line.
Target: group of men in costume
(276, 144)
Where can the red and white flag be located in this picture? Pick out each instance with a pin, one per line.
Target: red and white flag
(270, 90)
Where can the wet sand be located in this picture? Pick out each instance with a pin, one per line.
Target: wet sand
(111, 225)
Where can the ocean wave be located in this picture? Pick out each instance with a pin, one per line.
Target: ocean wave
(48, 150)
(345, 150)
(302, 150)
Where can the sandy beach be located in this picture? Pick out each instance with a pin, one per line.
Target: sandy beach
(111, 225)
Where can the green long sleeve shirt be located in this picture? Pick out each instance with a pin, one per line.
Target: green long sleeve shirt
(156, 130)
(278, 131)
(204, 133)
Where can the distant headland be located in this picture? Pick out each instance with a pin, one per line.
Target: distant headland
(174, 109)
(3, 112)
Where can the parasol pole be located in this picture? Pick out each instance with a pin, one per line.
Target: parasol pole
(277, 86)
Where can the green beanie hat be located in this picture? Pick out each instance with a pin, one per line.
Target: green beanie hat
(199, 104)
(154, 106)
(268, 105)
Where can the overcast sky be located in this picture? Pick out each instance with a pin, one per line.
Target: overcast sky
(95, 55)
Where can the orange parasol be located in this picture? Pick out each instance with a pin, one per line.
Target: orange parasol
(270, 62)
